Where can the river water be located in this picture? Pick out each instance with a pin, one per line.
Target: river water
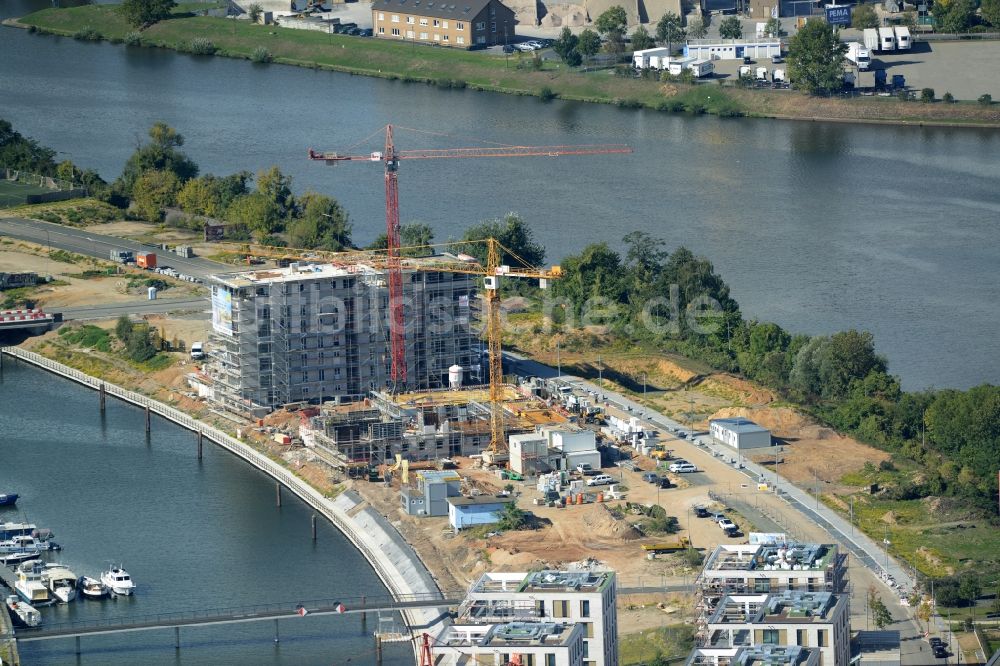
(819, 227)
(194, 535)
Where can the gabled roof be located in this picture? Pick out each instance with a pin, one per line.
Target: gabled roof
(458, 10)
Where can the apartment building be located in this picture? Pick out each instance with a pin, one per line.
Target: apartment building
(525, 643)
(462, 24)
(763, 569)
(818, 620)
(320, 332)
(584, 597)
(754, 655)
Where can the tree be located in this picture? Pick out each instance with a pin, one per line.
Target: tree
(970, 588)
(697, 28)
(612, 25)
(910, 19)
(277, 188)
(123, 328)
(323, 224)
(566, 43)
(573, 58)
(417, 235)
(199, 197)
(954, 16)
(641, 39)
(773, 27)
(254, 11)
(21, 153)
(927, 95)
(589, 43)
(669, 30)
(144, 13)
(511, 518)
(153, 191)
(815, 58)
(990, 11)
(139, 347)
(881, 617)
(512, 232)
(257, 213)
(864, 16)
(731, 28)
(160, 154)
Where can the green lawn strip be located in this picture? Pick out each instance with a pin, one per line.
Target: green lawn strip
(674, 640)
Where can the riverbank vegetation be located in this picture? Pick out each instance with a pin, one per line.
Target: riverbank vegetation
(456, 69)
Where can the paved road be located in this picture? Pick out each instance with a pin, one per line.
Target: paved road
(199, 307)
(83, 241)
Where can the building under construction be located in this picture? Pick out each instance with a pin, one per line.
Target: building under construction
(422, 426)
(320, 333)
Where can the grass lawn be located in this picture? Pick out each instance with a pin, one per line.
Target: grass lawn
(15, 194)
(672, 643)
(456, 68)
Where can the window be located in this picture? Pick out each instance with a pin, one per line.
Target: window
(460, 40)
(493, 10)
(437, 24)
(381, 30)
(560, 608)
(762, 585)
(770, 637)
(445, 38)
(481, 25)
(459, 25)
(409, 19)
(821, 637)
(437, 37)
(481, 39)
(800, 637)
(423, 35)
(395, 32)
(409, 34)
(381, 16)
(550, 660)
(585, 608)
(444, 24)
(423, 21)
(493, 27)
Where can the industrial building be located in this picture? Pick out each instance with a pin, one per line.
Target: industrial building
(732, 49)
(466, 512)
(320, 332)
(421, 425)
(740, 434)
(538, 643)
(760, 569)
(587, 598)
(754, 655)
(429, 497)
(464, 25)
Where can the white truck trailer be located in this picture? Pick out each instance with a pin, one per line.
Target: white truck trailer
(903, 41)
(677, 67)
(859, 55)
(886, 40)
(871, 39)
(702, 68)
(641, 59)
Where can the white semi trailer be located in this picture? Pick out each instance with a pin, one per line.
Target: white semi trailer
(859, 55)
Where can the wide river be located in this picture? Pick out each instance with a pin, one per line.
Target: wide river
(195, 535)
(819, 227)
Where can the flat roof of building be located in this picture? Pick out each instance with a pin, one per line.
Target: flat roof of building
(754, 655)
(478, 500)
(740, 425)
(547, 580)
(438, 476)
(781, 557)
(787, 606)
(509, 635)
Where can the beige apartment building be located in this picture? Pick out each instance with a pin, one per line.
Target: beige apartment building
(463, 24)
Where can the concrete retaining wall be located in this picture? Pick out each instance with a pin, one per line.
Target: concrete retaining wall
(394, 561)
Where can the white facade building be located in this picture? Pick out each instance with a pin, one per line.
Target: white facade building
(584, 597)
(756, 655)
(530, 643)
(748, 568)
(732, 49)
(739, 433)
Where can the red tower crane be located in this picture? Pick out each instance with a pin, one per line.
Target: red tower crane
(390, 157)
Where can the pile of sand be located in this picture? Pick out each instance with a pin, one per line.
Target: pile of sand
(602, 524)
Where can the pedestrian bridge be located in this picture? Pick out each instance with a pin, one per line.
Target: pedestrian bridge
(237, 615)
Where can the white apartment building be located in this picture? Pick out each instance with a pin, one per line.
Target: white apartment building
(764, 569)
(754, 655)
(584, 597)
(525, 643)
(819, 620)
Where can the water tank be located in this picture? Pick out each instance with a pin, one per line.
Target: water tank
(151, 292)
(455, 377)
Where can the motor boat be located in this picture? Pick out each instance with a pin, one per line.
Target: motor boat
(21, 543)
(91, 587)
(8, 499)
(29, 584)
(60, 581)
(23, 612)
(118, 581)
(11, 559)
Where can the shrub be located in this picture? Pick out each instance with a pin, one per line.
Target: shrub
(694, 108)
(133, 38)
(693, 557)
(87, 34)
(32, 29)
(927, 95)
(202, 46)
(985, 99)
(629, 104)
(547, 94)
(903, 96)
(261, 55)
(948, 98)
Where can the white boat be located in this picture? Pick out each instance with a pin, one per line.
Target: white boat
(24, 612)
(60, 581)
(91, 587)
(11, 559)
(29, 584)
(118, 581)
(20, 543)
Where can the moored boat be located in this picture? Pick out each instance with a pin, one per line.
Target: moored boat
(118, 581)
(29, 585)
(60, 581)
(11, 559)
(91, 587)
(23, 612)
(8, 499)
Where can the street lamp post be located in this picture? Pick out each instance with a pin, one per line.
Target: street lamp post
(644, 387)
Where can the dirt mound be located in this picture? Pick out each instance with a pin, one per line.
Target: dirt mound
(603, 525)
(738, 390)
(889, 518)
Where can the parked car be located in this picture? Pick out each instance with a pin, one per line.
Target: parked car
(508, 48)
(650, 477)
(367, 32)
(600, 480)
(747, 60)
(664, 482)
(682, 468)
(701, 512)
(777, 60)
(585, 469)
(726, 525)
(935, 641)
(940, 652)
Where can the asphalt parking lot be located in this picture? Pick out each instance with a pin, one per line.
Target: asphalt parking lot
(965, 69)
